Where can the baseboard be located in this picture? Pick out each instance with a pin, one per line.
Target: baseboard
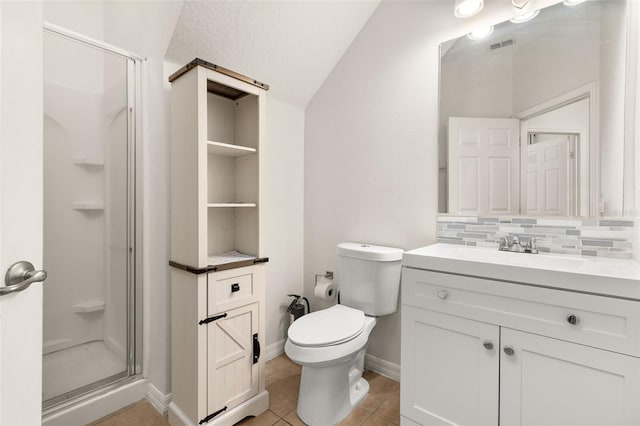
(382, 367)
(159, 400)
(274, 349)
(177, 416)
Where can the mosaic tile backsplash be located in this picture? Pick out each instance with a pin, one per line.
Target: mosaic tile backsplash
(580, 236)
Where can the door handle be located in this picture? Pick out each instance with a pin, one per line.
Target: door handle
(21, 275)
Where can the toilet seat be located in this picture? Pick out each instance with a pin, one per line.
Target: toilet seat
(332, 326)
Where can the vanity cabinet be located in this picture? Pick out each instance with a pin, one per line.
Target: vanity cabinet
(477, 351)
(453, 369)
(217, 260)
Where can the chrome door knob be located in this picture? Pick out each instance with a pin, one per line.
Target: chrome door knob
(573, 319)
(20, 276)
(509, 350)
(443, 294)
(488, 344)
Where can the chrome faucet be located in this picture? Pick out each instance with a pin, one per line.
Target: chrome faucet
(514, 245)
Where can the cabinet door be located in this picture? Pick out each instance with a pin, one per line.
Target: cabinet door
(232, 376)
(449, 377)
(552, 382)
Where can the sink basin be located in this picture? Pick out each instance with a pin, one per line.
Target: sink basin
(525, 260)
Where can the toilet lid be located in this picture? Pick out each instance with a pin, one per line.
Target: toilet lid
(327, 327)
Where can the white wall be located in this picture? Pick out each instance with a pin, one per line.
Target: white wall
(284, 189)
(371, 136)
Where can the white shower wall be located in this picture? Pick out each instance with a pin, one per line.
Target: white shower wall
(85, 247)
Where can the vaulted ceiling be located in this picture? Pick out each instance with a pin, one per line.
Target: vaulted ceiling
(290, 45)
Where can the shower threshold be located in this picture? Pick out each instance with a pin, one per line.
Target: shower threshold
(73, 371)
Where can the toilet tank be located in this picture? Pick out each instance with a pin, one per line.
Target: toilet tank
(369, 277)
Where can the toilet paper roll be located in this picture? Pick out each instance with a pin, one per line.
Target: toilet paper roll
(326, 291)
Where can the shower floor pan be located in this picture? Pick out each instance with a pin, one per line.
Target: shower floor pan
(70, 371)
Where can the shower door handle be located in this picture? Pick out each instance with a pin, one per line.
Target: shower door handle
(21, 275)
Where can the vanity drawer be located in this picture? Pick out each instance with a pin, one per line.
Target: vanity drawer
(230, 289)
(598, 321)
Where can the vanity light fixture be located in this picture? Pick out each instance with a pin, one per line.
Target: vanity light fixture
(573, 2)
(480, 33)
(467, 8)
(525, 17)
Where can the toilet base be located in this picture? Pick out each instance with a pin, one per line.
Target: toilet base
(326, 395)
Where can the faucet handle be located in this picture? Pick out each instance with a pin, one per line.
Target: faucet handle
(531, 246)
(504, 243)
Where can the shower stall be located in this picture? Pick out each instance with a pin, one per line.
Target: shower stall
(91, 333)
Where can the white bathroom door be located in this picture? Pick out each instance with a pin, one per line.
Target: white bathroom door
(21, 209)
(484, 165)
(549, 187)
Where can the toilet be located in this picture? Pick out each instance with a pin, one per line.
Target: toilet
(330, 344)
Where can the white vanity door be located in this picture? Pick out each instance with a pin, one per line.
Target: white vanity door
(454, 378)
(552, 382)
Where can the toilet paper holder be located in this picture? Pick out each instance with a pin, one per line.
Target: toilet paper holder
(328, 275)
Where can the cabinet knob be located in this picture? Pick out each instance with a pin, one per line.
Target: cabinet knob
(509, 350)
(488, 344)
(443, 294)
(573, 319)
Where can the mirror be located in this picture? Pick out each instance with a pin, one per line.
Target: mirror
(532, 116)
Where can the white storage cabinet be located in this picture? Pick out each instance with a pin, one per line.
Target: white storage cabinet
(217, 260)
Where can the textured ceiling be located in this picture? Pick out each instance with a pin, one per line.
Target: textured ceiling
(290, 45)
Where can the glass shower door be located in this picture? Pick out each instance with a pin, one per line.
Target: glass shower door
(88, 218)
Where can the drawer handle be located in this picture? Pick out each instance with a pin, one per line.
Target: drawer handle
(573, 319)
(235, 287)
(443, 294)
(488, 344)
(509, 350)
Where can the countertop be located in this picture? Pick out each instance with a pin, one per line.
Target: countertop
(586, 274)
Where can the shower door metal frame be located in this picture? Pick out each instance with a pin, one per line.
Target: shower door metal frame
(133, 229)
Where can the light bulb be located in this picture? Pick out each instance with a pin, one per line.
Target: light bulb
(467, 8)
(480, 33)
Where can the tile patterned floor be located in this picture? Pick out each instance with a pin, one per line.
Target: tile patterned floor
(141, 413)
(380, 407)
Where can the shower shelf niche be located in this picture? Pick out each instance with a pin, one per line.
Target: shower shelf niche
(88, 162)
(88, 206)
(88, 307)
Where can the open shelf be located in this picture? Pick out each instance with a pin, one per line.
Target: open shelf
(232, 205)
(229, 257)
(228, 150)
